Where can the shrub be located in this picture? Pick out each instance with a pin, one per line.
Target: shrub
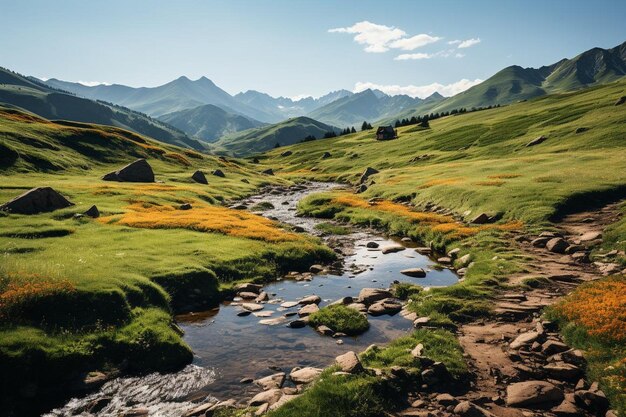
(341, 319)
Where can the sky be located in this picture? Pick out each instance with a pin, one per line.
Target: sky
(297, 48)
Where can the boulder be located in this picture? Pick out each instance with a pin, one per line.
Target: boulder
(349, 362)
(557, 245)
(271, 381)
(537, 141)
(297, 324)
(369, 171)
(371, 295)
(325, 330)
(185, 206)
(468, 409)
(268, 171)
(620, 101)
(562, 371)
(308, 309)
(446, 399)
(289, 304)
(533, 394)
(305, 375)
(384, 307)
(199, 177)
(418, 350)
(198, 411)
(372, 245)
(392, 249)
(252, 306)
(540, 242)
(592, 400)
(248, 286)
(247, 295)
(454, 253)
(311, 299)
(266, 397)
(218, 173)
(567, 409)
(361, 189)
(316, 269)
(326, 155)
(437, 373)
(589, 236)
(465, 259)
(263, 296)
(551, 347)
(138, 171)
(286, 153)
(36, 200)
(524, 339)
(92, 212)
(414, 272)
(482, 218)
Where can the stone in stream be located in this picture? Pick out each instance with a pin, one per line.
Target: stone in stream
(379, 308)
(263, 314)
(36, 200)
(256, 288)
(349, 362)
(325, 330)
(263, 296)
(266, 397)
(289, 304)
(392, 249)
(247, 295)
(243, 313)
(252, 306)
(370, 295)
(414, 272)
(533, 394)
(273, 322)
(297, 324)
(138, 171)
(311, 299)
(305, 375)
(308, 309)
(316, 269)
(372, 245)
(272, 381)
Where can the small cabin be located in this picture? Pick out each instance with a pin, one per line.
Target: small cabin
(386, 133)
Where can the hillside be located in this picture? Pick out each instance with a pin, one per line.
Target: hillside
(514, 83)
(209, 122)
(50, 103)
(480, 160)
(261, 139)
(368, 106)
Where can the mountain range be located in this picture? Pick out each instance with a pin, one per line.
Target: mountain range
(45, 101)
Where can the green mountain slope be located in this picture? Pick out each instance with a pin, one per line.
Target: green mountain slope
(261, 139)
(209, 122)
(592, 67)
(44, 101)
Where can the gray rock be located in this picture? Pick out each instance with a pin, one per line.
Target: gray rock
(468, 409)
(138, 171)
(414, 272)
(392, 249)
(286, 153)
(370, 295)
(551, 347)
(185, 206)
(268, 171)
(384, 307)
(482, 218)
(37, 200)
(311, 299)
(533, 393)
(305, 375)
(92, 212)
(537, 141)
(557, 245)
(524, 339)
(369, 171)
(199, 177)
(266, 397)
(271, 381)
(219, 173)
(349, 362)
(308, 309)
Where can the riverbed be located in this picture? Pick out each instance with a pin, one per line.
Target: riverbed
(228, 347)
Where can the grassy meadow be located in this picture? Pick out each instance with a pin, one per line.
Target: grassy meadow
(84, 294)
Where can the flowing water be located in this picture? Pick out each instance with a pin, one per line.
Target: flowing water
(228, 347)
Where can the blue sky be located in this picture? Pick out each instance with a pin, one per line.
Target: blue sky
(286, 47)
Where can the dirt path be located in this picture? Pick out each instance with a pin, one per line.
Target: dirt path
(487, 344)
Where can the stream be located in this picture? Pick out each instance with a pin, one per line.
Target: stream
(228, 347)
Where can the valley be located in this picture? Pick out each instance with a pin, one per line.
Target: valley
(181, 251)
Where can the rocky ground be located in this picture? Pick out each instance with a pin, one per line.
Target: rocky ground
(521, 366)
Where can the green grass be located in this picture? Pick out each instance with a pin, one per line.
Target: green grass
(475, 149)
(328, 228)
(370, 396)
(340, 319)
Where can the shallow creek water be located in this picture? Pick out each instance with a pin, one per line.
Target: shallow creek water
(228, 348)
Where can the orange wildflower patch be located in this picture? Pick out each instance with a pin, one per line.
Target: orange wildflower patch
(212, 219)
(18, 288)
(194, 155)
(493, 183)
(178, 158)
(503, 176)
(599, 307)
(437, 222)
(440, 181)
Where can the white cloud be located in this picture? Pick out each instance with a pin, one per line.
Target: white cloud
(380, 38)
(92, 83)
(459, 55)
(469, 42)
(375, 37)
(421, 91)
(454, 42)
(414, 42)
(405, 57)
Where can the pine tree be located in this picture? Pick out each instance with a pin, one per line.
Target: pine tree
(353, 130)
